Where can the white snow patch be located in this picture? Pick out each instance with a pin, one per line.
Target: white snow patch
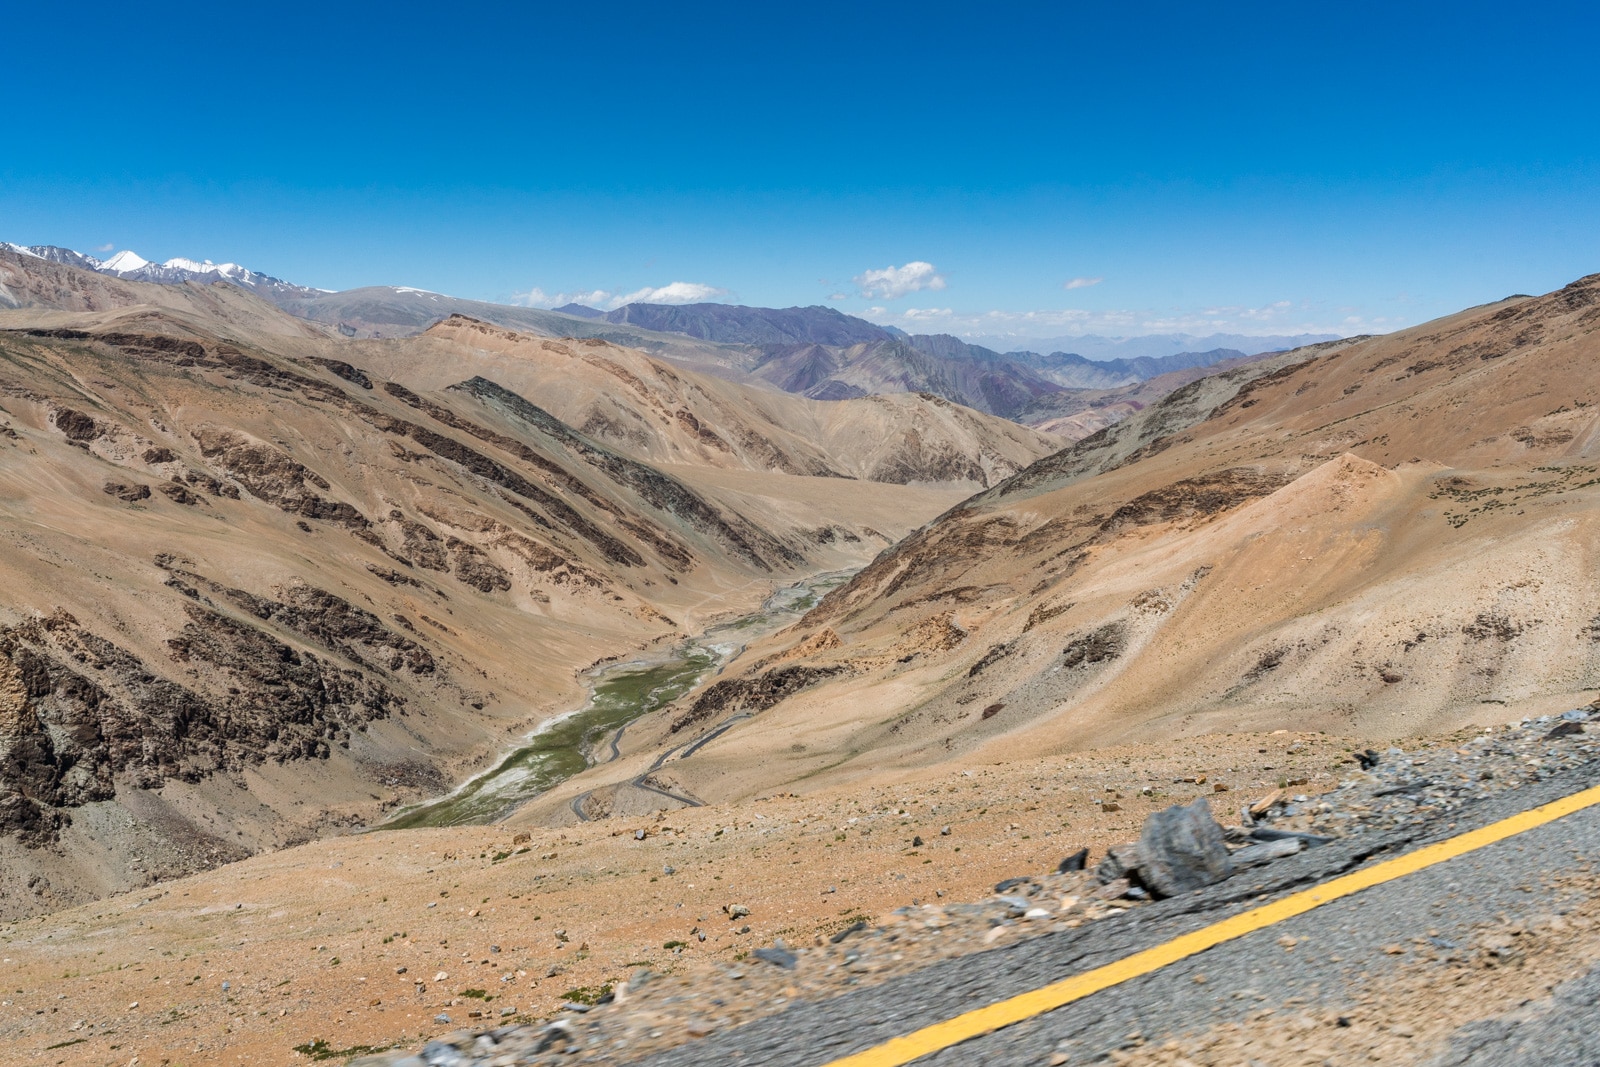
(124, 262)
(21, 251)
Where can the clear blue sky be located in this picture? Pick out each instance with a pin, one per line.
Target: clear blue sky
(1254, 167)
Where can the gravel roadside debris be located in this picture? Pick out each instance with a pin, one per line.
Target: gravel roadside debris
(1386, 791)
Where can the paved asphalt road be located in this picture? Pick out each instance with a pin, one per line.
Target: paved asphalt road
(1242, 976)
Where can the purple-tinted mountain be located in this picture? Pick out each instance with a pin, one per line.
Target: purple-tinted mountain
(734, 324)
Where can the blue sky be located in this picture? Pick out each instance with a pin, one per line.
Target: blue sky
(1245, 168)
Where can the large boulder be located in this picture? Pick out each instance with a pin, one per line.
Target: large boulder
(1181, 849)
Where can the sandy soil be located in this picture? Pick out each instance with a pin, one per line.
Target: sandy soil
(310, 940)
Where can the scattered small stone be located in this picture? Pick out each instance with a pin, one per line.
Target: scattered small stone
(1266, 852)
(778, 956)
(1075, 862)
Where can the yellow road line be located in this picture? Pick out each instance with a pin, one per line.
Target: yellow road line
(930, 1039)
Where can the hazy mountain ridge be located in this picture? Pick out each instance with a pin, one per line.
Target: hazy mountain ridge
(816, 351)
(737, 324)
(1152, 346)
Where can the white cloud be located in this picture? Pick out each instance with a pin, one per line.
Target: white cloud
(892, 282)
(672, 293)
(538, 298)
(1080, 283)
(108, 246)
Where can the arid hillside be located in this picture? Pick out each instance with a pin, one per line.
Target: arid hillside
(1386, 537)
(664, 414)
(256, 593)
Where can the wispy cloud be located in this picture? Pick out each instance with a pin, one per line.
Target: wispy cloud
(1278, 317)
(1080, 283)
(108, 246)
(671, 293)
(892, 282)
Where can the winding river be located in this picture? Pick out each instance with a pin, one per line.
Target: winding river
(619, 693)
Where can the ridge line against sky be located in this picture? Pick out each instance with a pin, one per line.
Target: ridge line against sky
(1015, 171)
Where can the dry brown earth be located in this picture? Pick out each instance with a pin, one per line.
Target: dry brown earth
(1391, 537)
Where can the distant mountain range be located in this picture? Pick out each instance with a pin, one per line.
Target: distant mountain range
(129, 266)
(1154, 345)
(818, 352)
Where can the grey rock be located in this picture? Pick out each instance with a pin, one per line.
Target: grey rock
(440, 1054)
(1119, 862)
(1181, 849)
(1015, 905)
(1075, 862)
(777, 956)
(1266, 852)
(1264, 833)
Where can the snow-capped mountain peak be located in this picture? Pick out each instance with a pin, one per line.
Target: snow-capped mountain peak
(124, 262)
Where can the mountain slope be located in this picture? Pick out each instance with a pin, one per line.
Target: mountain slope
(256, 592)
(736, 324)
(662, 413)
(1392, 536)
(997, 387)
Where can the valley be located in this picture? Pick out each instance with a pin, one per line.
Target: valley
(368, 674)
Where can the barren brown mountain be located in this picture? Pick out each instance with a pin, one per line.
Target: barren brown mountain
(263, 584)
(1384, 537)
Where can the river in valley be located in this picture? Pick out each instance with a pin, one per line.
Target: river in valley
(619, 693)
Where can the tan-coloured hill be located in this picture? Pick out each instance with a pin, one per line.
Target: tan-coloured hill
(256, 592)
(663, 413)
(1380, 538)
